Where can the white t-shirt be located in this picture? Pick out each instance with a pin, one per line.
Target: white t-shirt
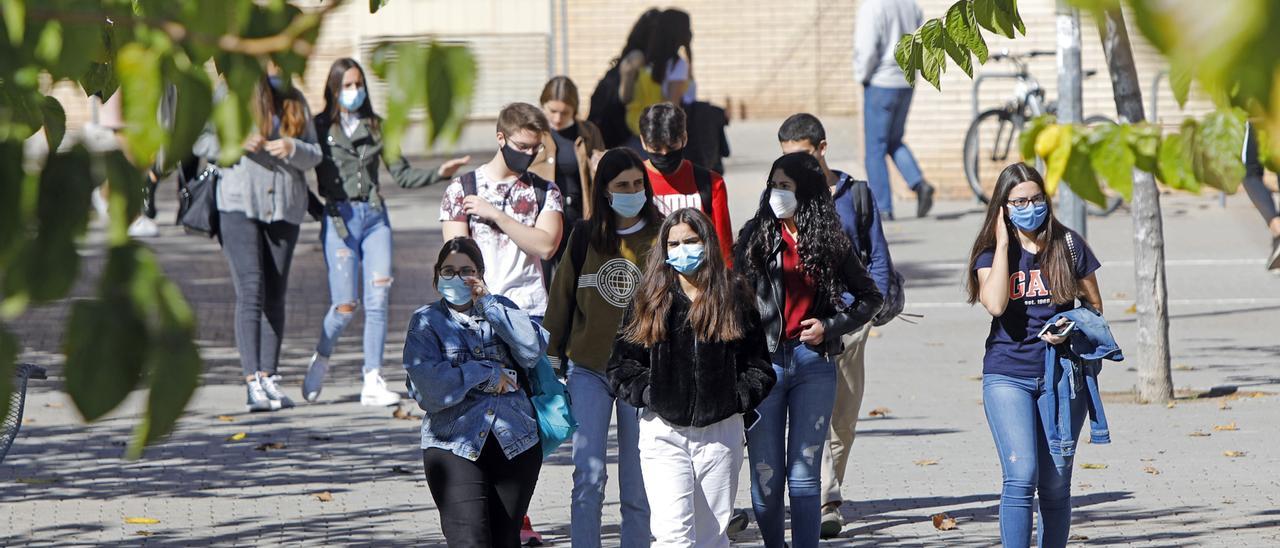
(508, 270)
(678, 71)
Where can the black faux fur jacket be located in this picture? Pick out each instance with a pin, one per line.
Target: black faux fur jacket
(689, 382)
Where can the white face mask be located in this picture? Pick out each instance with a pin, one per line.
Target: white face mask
(783, 203)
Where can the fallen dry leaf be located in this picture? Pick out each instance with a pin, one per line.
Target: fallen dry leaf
(1222, 404)
(226, 418)
(1169, 405)
(1133, 309)
(324, 496)
(141, 521)
(1077, 537)
(1228, 501)
(29, 420)
(143, 533)
(926, 462)
(974, 377)
(266, 446)
(402, 414)
(1184, 367)
(873, 334)
(39, 481)
(54, 405)
(879, 412)
(321, 438)
(1199, 434)
(1084, 486)
(1226, 427)
(237, 436)
(398, 469)
(1151, 470)
(943, 522)
(1233, 454)
(1093, 466)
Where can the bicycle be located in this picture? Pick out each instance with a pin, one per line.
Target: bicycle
(1001, 126)
(13, 419)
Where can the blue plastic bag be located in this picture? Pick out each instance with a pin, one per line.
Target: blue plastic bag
(551, 404)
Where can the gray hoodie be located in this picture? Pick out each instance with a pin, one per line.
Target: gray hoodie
(880, 23)
(261, 186)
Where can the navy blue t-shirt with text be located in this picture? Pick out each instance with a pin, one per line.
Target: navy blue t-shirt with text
(1014, 347)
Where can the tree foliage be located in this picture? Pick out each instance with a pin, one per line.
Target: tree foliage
(1228, 50)
(138, 329)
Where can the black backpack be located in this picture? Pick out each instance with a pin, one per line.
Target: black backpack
(896, 298)
(608, 112)
(577, 250)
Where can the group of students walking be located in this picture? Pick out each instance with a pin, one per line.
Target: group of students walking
(619, 264)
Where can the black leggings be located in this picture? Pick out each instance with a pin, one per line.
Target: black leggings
(482, 503)
(1253, 171)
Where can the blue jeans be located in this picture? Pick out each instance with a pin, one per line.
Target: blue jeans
(593, 405)
(804, 393)
(362, 258)
(1015, 407)
(884, 120)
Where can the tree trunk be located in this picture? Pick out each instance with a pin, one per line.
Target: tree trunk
(1155, 380)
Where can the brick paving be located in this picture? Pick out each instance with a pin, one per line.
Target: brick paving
(65, 483)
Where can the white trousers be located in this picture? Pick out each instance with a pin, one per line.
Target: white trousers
(691, 477)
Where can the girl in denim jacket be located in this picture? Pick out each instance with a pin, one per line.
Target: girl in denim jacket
(468, 357)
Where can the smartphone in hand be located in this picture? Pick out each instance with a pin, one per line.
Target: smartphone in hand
(1057, 330)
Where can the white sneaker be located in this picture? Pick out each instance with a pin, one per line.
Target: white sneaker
(257, 399)
(273, 391)
(143, 227)
(314, 380)
(375, 391)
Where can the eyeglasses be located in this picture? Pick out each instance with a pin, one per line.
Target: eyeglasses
(534, 148)
(1024, 202)
(450, 273)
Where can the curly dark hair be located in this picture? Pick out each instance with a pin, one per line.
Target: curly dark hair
(822, 243)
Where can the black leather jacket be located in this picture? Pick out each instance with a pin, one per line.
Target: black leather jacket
(771, 296)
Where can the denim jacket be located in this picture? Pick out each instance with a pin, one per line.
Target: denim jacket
(1073, 367)
(452, 369)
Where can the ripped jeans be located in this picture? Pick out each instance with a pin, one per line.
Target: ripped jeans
(1014, 407)
(803, 396)
(362, 259)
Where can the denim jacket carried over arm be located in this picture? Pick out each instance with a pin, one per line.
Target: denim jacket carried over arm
(1072, 368)
(452, 370)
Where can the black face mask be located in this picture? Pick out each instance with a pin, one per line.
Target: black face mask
(517, 161)
(667, 163)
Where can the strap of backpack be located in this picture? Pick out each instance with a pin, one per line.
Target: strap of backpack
(1071, 246)
(861, 196)
(702, 178)
(468, 181)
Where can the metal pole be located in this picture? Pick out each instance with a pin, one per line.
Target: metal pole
(551, 38)
(564, 37)
(1071, 209)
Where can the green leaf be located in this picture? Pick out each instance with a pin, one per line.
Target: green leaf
(1079, 173)
(15, 19)
(1180, 82)
(964, 35)
(55, 121)
(101, 80)
(48, 265)
(1175, 166)
(1010, 9)
(8, 361)
(975, 40)
(934, 56)
(12, 216)
(405, 91)
(902, 53)
(958, 54)
(194, 103)
(20, 114)
(1217, 147)
(125, 201)
(451, 73)
(1144, 139)
(1027, 139)
(375, 5)
(139, 69)
(1112, 158)
(991, 18)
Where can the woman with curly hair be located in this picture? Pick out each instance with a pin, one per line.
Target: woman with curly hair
(804, 272)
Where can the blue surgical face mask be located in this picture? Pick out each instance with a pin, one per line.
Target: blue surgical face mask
(686, 258)
(352, 99)
(275, 81)
(454, 290)
(628, 204)
(1030, 217)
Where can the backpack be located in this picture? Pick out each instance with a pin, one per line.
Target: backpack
(539, 184)
(577, 250)
(552, 405)
(702, 178)
(895, 299)
(607, 111)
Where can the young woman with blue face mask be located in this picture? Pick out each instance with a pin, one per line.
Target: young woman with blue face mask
(812, 289)
(355, 230)
(691, 355)
(468, 357)
(1025, 268)
(586, 305)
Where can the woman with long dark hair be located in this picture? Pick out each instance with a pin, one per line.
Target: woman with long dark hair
(804, 270)
(262, 199)
(592, 288)
(665, 75)
(1025, 268)
(691, 355)
(613, 91)
(469, 357)
(355, 230)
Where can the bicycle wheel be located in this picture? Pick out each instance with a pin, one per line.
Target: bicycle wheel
(991, 139)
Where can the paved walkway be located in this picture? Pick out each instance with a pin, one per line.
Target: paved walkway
(1161, 483)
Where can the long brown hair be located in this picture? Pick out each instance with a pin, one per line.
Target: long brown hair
(1056, 264)
(561, 88)
(289, 105)
(333, 89)
(714, 315)
(603, 224)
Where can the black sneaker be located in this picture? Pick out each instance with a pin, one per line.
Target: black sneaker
(924, 198)
(1274, 263)
(832, 521)
(738, 523)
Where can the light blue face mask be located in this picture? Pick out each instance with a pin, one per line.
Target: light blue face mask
(1030, 217)
(275, 82)
(454, 290)
(628, 204)
(352, 99)
(686, 258)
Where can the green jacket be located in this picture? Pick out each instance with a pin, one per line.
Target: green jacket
(349, 169)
